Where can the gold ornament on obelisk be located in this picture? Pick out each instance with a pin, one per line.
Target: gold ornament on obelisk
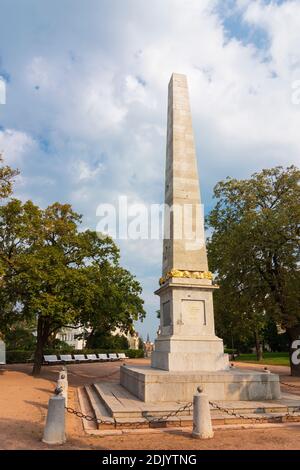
(186, 274)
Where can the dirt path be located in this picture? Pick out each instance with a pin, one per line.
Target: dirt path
(23, 408)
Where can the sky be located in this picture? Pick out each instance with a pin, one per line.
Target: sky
(86, 101)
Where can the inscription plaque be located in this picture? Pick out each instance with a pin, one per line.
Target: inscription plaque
(193, 312)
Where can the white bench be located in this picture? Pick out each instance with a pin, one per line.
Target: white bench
(66, 358)
(92, 357)
(51, 359)
(80, 357)
(102, 357)
(122, 356)
(113, 357)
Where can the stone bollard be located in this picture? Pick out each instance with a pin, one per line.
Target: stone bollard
(54, 432)
(62, 383)
(202, 427)
(63, 374)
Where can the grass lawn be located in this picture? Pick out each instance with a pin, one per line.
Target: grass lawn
(278, 359)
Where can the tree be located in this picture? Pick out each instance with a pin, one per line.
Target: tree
(19, 227)
(21, 337)
(254, 247)
(53, 273)
(105, 340)
(114, 301)
(7, 176)
(237, 321)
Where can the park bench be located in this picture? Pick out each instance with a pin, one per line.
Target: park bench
(80, 358)
(92, 357)
(102, 357)
(122, 356)
(113, 357)
(51, 359)
(66, 358)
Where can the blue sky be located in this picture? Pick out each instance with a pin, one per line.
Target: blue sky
(85, 113)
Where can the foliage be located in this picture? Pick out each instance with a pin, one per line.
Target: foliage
(20, 338)
(254, 251)
(108, 341)
(59, 345)
(56, 276)
(7, 177)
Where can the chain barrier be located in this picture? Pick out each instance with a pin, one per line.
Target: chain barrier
(164, 418)
(255, 419)
(290, 385)
(159, 419)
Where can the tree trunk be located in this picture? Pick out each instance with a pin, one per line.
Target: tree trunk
(43, 330)
(294, 334)
(89, 340)
(258, 347)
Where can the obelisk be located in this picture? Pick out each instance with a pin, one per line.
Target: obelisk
(187, 351)
(181, 185)
(187, 340)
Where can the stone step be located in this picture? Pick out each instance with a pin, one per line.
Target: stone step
(86, 408)
(118, 408)
(99, 409)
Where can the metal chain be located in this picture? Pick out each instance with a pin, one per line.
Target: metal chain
(171, 414)
(81, 415)
(182, 408)
(164, 418)
(160, 419)
(257, 420)
(290, 385)
(233, 413)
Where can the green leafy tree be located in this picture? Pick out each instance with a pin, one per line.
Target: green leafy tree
(21, 337)
(254, 248)
(53, 273)
(7, 177)
(114, 301)
(105, 340)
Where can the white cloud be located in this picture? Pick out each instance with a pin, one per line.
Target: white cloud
(15, 145)
(84, 171)
(95, 98)
(40, 73)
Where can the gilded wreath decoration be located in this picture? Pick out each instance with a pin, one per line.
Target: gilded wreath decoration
(186, 274)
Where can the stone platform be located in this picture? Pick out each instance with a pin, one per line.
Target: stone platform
(119, 409)
(154, 385)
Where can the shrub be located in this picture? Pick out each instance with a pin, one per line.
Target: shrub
(19, 357)
(20, 339)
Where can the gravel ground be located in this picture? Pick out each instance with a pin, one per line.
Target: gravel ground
(23, 408)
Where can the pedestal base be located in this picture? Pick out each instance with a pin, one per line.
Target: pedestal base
(189, 354)
(153, 385)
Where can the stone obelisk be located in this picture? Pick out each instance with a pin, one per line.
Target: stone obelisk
(187, 351)
(187, 340)
(181, 185)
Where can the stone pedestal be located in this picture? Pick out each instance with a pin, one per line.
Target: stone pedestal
(187, 340)
(152, 385)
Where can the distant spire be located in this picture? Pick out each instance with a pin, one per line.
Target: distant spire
(148, 338)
